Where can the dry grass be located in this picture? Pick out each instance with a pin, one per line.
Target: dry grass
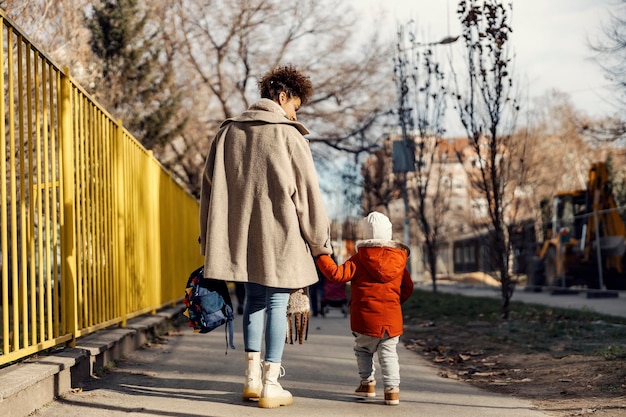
(568, 362)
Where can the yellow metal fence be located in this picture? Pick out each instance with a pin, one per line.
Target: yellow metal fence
(93, 230)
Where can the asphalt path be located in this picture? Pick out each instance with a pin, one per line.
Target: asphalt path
(189, 374)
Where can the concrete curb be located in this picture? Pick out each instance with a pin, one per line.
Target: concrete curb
(29, 385)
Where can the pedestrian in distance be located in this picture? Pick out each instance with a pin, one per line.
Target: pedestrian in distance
(380, 283)
(262, 220)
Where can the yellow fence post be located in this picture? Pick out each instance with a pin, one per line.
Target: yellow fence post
(6, 335)
(153, 267)
(120, 220)
(68, 247)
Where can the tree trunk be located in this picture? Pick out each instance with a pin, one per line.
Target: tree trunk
(432, 262)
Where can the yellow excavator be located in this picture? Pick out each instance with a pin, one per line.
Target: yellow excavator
(585, 240)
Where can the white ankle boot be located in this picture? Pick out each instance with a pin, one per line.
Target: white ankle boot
(253, 386)
(273, 395)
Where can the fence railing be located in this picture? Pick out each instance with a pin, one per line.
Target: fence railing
(93, 230)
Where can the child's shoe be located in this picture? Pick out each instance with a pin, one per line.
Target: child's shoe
(366, 389)
(392, 396)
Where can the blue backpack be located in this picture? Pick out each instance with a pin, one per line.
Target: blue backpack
(208, 305)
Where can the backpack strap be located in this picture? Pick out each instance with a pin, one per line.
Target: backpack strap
(229, 339)
(229, 329)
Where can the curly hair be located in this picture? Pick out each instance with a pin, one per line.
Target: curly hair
(287, 79)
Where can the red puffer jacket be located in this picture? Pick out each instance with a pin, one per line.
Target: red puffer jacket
(380, 284)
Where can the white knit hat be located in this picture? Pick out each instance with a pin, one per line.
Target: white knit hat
(376, 226)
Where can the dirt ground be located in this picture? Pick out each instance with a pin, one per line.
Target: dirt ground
(558, 382)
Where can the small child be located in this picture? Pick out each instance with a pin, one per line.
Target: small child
(380, 284)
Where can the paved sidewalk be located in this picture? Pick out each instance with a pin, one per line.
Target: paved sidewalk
(581, 299)
(190, 376)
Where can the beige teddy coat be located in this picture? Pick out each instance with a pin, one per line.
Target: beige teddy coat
(262, 218)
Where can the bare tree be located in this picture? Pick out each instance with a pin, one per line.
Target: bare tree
(227, 45)
(487, 107)
(57, 27)
(610, 51)
(554, 124)
(421, 108)
(611, 56)
(380, 185)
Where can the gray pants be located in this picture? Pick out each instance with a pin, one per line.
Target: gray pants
(364, 349)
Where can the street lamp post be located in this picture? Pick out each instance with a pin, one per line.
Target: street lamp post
(445, 41)
(403, 155)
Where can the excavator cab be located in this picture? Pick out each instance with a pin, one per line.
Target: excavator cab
(584, 243)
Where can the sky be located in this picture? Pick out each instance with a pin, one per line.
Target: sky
(550, 40)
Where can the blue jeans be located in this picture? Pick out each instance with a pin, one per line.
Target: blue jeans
(259, 301)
